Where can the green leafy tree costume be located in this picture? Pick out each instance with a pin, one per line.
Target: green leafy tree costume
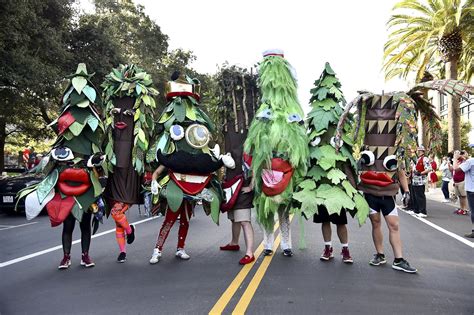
(330, 181)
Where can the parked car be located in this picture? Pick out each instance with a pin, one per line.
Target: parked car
(10, 186)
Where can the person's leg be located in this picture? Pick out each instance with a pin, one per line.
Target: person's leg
(268, 238)
(186, 213)
(284, 218)
(327, 232)
(463, 202)
(68, 228)
(394, 234)
(342, 234)
(445, 189)
(236, 227)
(248, 236)
(377, 235)
(470, 200)
(118, 214)
(86, 240)
(168, 223)
(419, 192)
(120, 237)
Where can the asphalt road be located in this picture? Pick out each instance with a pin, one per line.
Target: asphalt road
(213, 281)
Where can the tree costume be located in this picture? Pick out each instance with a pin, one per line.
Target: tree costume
(71, 189)
(182, 148)
(278, 145)
(330, 182)
(129, 106)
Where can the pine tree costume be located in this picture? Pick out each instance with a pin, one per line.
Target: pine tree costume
(71, 189)
(329, 185)
(278, 145)
(129, 106)
(186, 168)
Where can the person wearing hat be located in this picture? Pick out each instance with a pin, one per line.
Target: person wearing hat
(420, 172)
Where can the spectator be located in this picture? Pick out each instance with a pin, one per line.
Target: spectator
(459, 189)
(446, 168)
(433, 177)
(468, 169)
(420, 171)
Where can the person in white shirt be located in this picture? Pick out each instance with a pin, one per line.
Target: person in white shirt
(468, 168)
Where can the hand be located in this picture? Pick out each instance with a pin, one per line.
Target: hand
(228, 161)
(406, 198)
(155, 187)
(246, 189)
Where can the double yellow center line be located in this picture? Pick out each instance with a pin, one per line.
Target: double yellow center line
(247, 296)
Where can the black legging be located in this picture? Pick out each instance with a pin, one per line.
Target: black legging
(68, 228)
(445, 189)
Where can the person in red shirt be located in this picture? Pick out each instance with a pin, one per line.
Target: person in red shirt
(458, 179)
(433, 177)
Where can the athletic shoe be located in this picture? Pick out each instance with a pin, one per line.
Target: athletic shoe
(65, 262)
(122, 257)
(346, 256)
(327, 253)
(379, 259)
(470, 235)
(246, 260)
(411, 212)
(287, 252)
(446, 201)
(267, 252)
(421, 215)
(131, 236)
(403, 265)
(86, 260)
(155, 257)
(180, 253)
(230, 247)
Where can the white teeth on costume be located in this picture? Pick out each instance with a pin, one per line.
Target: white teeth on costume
(229, 192)
(196, 179)
(271, 178)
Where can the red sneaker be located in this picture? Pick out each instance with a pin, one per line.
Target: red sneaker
(65, 262)
(246, 260)
(346, 256)
(327, 253)
(86, 261)
(230, 247)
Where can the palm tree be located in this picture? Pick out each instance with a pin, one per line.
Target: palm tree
(422, 32)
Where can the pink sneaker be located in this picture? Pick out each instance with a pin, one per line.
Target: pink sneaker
(86, 261)
(346, 256)
(66, 262)
(327, 253)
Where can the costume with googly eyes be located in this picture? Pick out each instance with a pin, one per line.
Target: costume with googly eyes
(71, 189)
(186, 161)
(278, 144)
(129, 106)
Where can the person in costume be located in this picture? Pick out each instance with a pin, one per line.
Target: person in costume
(71, 190)
(278, 145)
(185, 174)
(240, 95)
(328, 190)
(129, 106)
(389, 140)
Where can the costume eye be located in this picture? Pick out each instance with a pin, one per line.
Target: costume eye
(115, 111)
(177, 132)
(295, 118)
(197, 136)
(62, 154)
(367, 158)
(265, 114)
(316, 141)
(333, 142)
(129, 112)
(390, 163)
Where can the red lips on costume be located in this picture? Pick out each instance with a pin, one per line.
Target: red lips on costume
(380, 179)
(120, 125)
(77, 176)
(58, 209)
(231, 189)
(189, 183)
(277, 178)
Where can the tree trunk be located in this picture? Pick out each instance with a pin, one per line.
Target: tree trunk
(424, 132)
(2, 142)
(454, 110)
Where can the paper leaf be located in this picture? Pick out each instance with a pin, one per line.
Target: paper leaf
(329, 81)
(90, 93)
(77, 211)
(335, 199)
(174, 196)
(336, 176)
(48, 183)
(350, 190)
(215, 207)
(180, 112)
(316, 172)
(328, 69)
(307, 184)
(362, 208)
(83, 104)
(79, 83)
(76, 128)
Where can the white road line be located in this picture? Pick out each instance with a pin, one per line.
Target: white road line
(8, 227)
(437, 227)
(17, 260)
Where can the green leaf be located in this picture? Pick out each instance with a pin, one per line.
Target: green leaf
(347, 139)
(179, 112)
(190, 113)
(174, 196)
(316, 172)
(215, 207)
(336, 92)
(326, 104)
(146, 99)
(336, 175)
(350, 190)
(48, 183)
(362, 208)
(92, 122)
(329, 81)
(321, 93)
(307, 184)
(315, 133)
(141, 135)
(96, 183)
(138, 89)
(309, 201)
(83, 104)
(320, 118)
(79, 83)
(90, 92)
(335, 199)
(328, 69)
(86, 199)
(77, 212)
(76, 128)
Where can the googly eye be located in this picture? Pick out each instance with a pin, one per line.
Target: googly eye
(333, 142)
(62, 154)
(114, 111)
(390, 163)
(197, 136)
(177, 132)
(265, 114)
(316, 141)
(129, 112)
(294, 118)
(367, 158)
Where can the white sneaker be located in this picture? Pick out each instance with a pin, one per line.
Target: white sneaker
(446, 201)
(422, 215)
(180, 253)
(410, 212)
(156, 256)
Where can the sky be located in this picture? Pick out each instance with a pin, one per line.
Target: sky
(350, 35)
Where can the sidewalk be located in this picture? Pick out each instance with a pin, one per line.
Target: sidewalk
(437, 195)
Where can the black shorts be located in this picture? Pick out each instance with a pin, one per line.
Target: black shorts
(384, 204)
(323, 216)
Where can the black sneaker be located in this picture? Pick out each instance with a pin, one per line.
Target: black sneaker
(287, 252)
(403, 265)
(470, 235)
(122, 257)
(267, 252)
(131, 236)
(379, 259)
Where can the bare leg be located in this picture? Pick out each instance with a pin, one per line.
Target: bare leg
(342, 233)
(394, 234)
(463, 203)
(248, 236)
(377, 235)
(326, 229)
(235, 233)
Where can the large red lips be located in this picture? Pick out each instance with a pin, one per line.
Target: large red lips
(120, 125)
(189, 183)
(78, 176)
(277, 178)
(381, 179)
